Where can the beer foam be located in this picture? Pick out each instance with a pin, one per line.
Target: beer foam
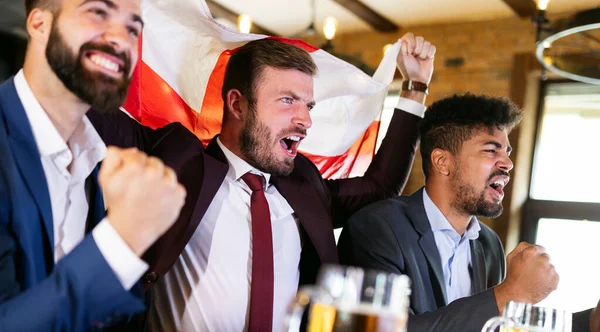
(369, 309)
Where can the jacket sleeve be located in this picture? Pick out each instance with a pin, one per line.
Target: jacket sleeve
(581, 321)
(81, 292)
(387, 174)
(466, 314)
(119, 129)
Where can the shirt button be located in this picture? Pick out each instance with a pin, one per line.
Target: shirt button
(151, 277)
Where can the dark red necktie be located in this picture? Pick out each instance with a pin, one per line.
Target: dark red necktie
(261, 287)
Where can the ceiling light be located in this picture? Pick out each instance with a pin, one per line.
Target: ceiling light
(244, 23)
(542, 4)
(329, 27)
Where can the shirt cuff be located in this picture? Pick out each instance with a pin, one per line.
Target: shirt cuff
(411, 106)
(128, 267)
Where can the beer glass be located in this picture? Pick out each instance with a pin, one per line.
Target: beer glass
(352, 299)
(524, 317)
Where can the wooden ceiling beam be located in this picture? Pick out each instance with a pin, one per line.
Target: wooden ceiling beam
(218, 11)
(523, 8)
(368, 15)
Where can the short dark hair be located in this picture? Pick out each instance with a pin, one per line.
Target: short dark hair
(51, 5)
(450, 122)
(245, 66)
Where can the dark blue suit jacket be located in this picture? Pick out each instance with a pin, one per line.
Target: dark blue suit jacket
(79, 292)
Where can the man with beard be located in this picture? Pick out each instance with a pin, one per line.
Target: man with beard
(259, 218)
(456, 263)
(64, 266)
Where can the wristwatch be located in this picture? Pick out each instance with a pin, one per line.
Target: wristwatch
(415, 86)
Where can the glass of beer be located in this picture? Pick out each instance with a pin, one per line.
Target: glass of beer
(524, 317)
(352, 299)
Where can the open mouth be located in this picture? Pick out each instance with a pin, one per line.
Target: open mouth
(105, 63)
(498, 185)
(290, 144)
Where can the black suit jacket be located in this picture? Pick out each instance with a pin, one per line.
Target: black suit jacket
(320, 205)
(395, 235)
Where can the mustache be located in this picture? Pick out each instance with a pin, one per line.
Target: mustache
(292, 131)
(498, 173)
(108, 49)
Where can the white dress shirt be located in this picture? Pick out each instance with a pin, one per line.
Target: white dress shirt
(454, 249)
(208, 288)
(66, 167)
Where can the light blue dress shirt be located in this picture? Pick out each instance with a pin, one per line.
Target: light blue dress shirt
(455, 250)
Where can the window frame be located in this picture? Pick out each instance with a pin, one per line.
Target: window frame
(534, 209)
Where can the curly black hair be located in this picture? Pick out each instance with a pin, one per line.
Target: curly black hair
(451, 121)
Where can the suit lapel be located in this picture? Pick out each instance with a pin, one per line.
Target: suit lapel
(418, 216)
(427, 243)
(478, 267)
(26, 153)
(96, 211)
(202, 175)
(213, 166)
(215, 170)
(313, 216)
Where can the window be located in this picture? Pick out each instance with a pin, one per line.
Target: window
(566, 156)
(574, 246)
(563, 209)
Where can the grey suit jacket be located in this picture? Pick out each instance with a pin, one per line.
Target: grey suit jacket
(394, 235)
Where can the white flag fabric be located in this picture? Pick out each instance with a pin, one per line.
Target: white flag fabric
(184, 52)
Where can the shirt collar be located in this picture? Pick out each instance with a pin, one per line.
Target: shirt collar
(473, 229)
(46, 136)
(439, 222)
(238, 166)
(85, 139)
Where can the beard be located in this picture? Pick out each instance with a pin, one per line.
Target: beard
(472, 202)
(256, 141)
(101, 92)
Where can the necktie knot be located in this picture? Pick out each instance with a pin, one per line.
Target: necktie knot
(254, 181)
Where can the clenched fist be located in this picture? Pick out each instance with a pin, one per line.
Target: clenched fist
(415, 60)
(530, 277)
(142, 196)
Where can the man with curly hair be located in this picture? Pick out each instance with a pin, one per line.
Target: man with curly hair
(456, 263)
